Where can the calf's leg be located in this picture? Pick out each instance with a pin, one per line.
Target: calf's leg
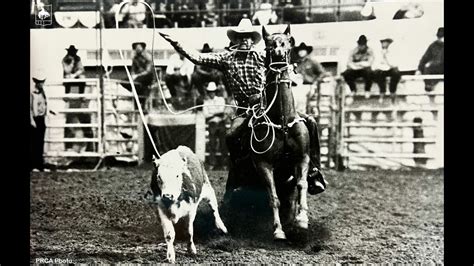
(169, 233)
(190, 227)
(210, 196)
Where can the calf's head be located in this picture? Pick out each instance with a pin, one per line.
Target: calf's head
(169, 171)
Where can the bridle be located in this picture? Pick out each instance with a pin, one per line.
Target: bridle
(278, 68)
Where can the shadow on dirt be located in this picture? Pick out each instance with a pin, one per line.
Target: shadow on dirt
(249, 221)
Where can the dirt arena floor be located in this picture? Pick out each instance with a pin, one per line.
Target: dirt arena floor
(363, 217)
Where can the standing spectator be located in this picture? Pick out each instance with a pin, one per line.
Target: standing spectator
(73, 69)
(385, 65)
(309, 71)
(265, 15)
(309, 67)
(213, 111)
(432, 61)
(178, 76)
(202, 75)
(359, 65)
(135, 14)
(72, 65)
(38, 110)
(142, 70)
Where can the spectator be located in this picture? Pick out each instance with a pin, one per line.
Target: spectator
(202, 75)
(72, 65)
(38, 110)
(265, 15)
(213, 111)
(359, 65)
(109, 16)
(432, 61)
(135, 14)
(411, 10)
(178, 75)
(310, 69)
(385, 65)
(141, 72)
(309, 72)
(73, 69)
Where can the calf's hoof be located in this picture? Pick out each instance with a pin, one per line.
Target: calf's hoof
(279, 235)
(192, 249)
(302, 221)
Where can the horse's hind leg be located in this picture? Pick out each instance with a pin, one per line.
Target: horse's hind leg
(266, 171)
(302, 185)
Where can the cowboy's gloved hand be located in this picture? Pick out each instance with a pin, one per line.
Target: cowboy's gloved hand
(167, 37)
(254, 99)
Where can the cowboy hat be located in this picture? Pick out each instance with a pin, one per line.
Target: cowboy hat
(440, 32)
(386, 39)
(362, 39)
(72, 48)
(265, 6)
(38, 78)
(303, 46)
(211, 87)
(244, 27)
(138, 43)
(206, 48)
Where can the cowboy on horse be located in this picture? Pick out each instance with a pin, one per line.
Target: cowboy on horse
(244, 73)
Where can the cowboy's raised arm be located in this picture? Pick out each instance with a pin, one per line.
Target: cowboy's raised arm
(213, 60)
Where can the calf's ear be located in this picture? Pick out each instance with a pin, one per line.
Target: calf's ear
(156, 161)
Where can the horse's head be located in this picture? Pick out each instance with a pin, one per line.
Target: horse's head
(278, 45)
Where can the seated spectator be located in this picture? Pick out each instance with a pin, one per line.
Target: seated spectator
(265, 15)
(109, 16)
(385, 65)
(135, 14)
(209, 18)
(214, 111)
(409, 11)
(359, 66)
(291, 13)
(432, 61)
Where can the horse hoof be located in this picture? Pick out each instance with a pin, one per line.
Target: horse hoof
(279, 235)
(302, 224)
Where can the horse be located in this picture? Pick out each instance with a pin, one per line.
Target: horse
(280, 159)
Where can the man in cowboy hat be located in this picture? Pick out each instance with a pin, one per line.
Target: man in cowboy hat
(432, 61)
(359, 65)
(202, 75)
(73, 69)
(244, 73)
(38, 110)
(72, 65)
(141, 72)
(308, 67)
(386, 65)
(214, 112)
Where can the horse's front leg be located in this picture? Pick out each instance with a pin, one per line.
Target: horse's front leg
(265, 170)
(302, 185)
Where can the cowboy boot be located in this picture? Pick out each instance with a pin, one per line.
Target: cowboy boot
(316, 181)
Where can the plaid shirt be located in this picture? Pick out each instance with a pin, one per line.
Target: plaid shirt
(244, 73)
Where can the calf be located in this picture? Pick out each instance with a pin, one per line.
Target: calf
(179, 182)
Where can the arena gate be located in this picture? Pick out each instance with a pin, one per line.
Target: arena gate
(85, 124)
(406, 131)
